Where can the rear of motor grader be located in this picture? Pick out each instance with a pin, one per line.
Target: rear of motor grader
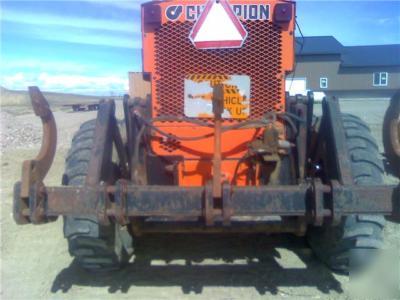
(212, 144)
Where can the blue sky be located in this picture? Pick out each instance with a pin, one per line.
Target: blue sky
(89, 46)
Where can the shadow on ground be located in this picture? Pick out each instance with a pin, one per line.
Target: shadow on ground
(259, 266)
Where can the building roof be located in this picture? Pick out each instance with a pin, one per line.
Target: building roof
(353, 56)
(371, 56)
(318, 45)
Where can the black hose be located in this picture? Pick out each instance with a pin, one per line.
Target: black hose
(138, 139)
(250, 124)
(242, 125)
(175, 137)
(182, 119)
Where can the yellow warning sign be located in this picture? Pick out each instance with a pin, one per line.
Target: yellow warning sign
(199, 93)
(212, 79)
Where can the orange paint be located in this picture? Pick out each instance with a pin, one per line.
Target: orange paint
(268, 95)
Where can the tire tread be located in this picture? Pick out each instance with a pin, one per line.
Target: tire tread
(91, 244)
(358, 237)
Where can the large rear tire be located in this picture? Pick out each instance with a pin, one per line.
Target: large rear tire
(352, 244)
(95, 247)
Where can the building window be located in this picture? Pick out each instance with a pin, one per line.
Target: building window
(323, 83)
(381, 79)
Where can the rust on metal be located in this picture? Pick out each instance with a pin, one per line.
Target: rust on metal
(119, 146)
(26, 178)
(290, 200)
(120, 207)
(359, 199)
(291, 226)
(301, 140)
(181, 203)
(39, 103)
(36, 170)
(218, 109)
(318, 203)
(216, 203)
(103, 204)
(337, 141)
(37, 203)
(102, 145)
(20, 206)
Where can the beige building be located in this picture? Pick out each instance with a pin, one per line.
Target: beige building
(325, 65)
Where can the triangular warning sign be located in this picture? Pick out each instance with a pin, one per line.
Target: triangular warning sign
(218, 27)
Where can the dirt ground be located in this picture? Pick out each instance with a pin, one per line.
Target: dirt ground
(35, 263)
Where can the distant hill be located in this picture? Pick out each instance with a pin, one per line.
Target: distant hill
(21, 98)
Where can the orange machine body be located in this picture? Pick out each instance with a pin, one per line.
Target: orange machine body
(169, 57)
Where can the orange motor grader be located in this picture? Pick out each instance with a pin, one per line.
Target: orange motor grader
(211, 143)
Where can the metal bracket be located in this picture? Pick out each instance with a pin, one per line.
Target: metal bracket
(318, 202)
(26, 192)
(337, 141)
(120, 201)
(102, 204)
(36, 170)
(37, 203)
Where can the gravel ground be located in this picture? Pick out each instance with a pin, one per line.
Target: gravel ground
(24, 131)
(35, 263)
(16, 135)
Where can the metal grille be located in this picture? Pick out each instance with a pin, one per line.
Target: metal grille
(259, 58)
(170, 145)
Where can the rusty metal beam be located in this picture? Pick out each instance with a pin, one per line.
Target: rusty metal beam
(273, 200)
(36, 170)
(332, 119)
(289, 226)
(183, 202)
(175, 201)
(218, 109)
(102, 143)
(302, 137)
(120, 148)
(357, 199)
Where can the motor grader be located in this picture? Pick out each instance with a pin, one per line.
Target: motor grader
(211, 143)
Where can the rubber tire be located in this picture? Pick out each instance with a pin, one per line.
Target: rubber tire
(352, 244)
(94, 247)
(393, 158)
